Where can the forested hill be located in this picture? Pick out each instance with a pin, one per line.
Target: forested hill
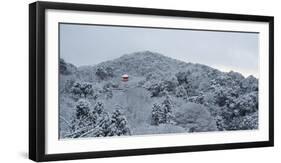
(223, 100)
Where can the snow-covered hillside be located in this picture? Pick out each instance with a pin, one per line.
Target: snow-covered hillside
(163, 95)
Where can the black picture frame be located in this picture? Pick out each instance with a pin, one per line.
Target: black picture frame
(37, 81)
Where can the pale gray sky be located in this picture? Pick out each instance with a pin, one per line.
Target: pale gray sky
(90, 44)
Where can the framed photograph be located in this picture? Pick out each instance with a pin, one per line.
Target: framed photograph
(111, 81)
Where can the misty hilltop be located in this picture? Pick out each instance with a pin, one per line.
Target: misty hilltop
(162, 95)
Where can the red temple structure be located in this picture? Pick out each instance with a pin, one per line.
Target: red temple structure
(125, 77)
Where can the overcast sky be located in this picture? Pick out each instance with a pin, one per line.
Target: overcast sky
(89, 45)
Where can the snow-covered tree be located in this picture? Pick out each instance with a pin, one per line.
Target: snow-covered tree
(247, 103)
(183, 77)
(225, 96)
(237, 77)
(161, 87)
(99, 108)
(239, 112)
(226, 80)
(249, 84)
(104, 72)
(155, 89)
(181, 91)
(162, 113)
(167, 109)
(157, 115)
(190, 81)
(81, 120)
(66, 68)
(247, 122)
(119, 124)
(100, 121)
(97, 122)
(82, 89)
(82, 109)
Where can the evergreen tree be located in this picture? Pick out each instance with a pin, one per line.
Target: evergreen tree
(157, 115)
(167, 109)
(162, 113)
(82, 109)
(119, 124)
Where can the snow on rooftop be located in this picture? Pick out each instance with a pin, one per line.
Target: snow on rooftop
(125, 76)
